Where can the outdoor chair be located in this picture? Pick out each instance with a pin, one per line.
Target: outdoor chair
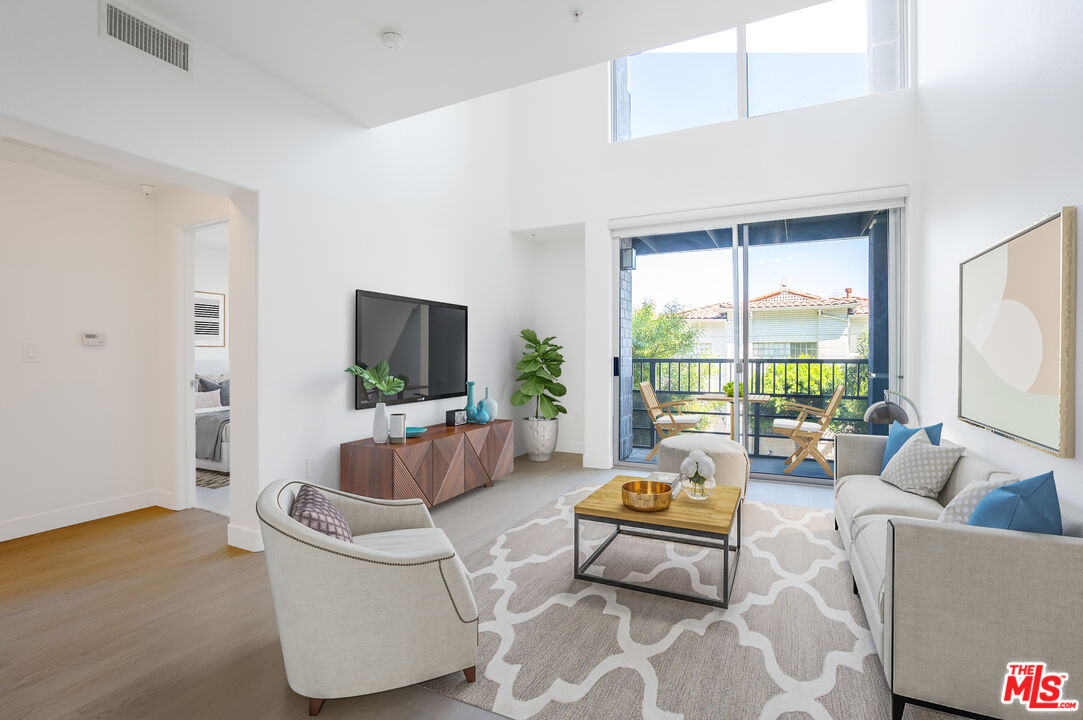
(665, 422)
(806, 431)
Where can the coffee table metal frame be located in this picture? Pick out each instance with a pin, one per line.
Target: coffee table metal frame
(679, 535)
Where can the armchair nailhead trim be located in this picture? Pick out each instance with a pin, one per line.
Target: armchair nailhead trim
(448, 589)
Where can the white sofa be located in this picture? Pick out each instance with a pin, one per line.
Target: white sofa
(393, 608)
(949, 606)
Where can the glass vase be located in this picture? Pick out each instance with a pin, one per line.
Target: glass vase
(696, 489)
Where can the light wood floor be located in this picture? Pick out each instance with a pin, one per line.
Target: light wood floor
(150, 615)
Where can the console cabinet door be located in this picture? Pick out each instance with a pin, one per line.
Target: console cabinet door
(448, 468)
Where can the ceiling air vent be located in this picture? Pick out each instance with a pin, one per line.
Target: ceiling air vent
(141, 35)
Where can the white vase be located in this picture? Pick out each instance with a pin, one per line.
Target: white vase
(379, 424)
(540, 438)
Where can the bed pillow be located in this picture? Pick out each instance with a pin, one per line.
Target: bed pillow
(207, 385)
(899, 434)
(312, 509)
(962, 506)
(920, 467)
(1029, 505)
(209, 399)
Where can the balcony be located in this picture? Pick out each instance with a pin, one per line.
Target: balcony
(800, 380)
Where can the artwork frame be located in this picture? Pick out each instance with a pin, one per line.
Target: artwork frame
(209, 319)
(1016, 371)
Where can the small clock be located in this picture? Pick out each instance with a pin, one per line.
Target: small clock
(455, 417)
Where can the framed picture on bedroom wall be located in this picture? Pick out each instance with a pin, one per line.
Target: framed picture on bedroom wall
(1017, 336)
(209, 316)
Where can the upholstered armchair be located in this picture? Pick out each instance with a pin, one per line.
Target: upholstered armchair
(394, 608)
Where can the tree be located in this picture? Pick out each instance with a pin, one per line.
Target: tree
(663, 334)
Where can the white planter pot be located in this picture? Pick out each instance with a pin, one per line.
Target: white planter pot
(379, 424)
(539, 438)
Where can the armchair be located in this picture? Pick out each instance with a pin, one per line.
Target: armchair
(662, 415)
(806, 432)
(394, 608)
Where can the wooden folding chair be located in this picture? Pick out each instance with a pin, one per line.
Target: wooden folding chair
(806, 432)
(666, 424)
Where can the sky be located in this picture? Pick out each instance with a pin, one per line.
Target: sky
(702, 277)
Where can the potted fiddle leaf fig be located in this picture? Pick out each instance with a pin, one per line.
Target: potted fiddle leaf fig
(539, 370)
(381, 380)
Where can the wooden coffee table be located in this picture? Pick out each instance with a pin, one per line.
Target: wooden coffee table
(707, 523)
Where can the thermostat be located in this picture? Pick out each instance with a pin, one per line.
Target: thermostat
(94, 339)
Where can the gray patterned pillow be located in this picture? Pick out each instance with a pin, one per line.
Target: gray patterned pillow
(920, 467)
(312, 509)
(962, 505)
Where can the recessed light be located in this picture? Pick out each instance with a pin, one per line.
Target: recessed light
(392, 39)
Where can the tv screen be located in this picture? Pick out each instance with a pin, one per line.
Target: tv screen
(423, 342)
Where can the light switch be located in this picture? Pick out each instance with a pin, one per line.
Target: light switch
(31, 353)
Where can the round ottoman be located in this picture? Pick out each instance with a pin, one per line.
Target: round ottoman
(731, 464)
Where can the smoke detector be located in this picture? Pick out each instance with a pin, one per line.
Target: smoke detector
(577, 14)
(392, 39)
(147, 189)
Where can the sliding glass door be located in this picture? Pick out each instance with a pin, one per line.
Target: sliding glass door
(749, 330)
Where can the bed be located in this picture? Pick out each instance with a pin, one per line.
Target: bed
(209, 421)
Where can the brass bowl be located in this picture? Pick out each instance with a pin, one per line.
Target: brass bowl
(646, 495)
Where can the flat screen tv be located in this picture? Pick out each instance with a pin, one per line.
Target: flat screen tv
(423, 342)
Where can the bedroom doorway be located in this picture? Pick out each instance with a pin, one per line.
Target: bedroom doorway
(209, 303)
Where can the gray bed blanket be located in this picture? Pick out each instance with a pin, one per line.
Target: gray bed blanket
(209, 434)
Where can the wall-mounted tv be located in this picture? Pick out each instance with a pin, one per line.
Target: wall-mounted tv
(423, 342)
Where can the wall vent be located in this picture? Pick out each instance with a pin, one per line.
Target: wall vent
(121, 25)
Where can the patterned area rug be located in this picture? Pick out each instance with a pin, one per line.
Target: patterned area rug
(793, 643)
(211, 479)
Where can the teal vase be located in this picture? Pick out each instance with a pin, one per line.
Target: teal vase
(471, 410)
(482, 415)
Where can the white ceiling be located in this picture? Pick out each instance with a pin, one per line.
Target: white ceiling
(44, 158)
(454, 51)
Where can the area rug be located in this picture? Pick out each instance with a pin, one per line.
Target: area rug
(793, 643)
(211, 479)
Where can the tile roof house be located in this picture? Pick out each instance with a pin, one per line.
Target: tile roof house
(787, 323)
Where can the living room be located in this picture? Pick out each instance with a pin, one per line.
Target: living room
(469, 161)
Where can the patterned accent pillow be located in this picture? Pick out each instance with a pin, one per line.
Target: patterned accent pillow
(208, 399)
(960, 508)
(920, 467)
(312, 509)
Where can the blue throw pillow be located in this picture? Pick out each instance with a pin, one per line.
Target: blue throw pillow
(1028, 505)
(899, 434)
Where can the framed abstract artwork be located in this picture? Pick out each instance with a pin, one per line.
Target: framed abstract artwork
(1017, 336)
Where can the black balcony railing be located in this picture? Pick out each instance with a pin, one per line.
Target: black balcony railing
(801, 380)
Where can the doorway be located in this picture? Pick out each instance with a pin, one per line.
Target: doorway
(745, 322)
(209, 301)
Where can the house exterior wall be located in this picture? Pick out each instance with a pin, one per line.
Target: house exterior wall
(835, 333)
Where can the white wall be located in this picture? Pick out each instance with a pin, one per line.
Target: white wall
(212, 275)
(565, 170)
(1000, 108)
(80, 433)
(419, 208)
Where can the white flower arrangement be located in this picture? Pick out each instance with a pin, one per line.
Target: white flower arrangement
(697, 467)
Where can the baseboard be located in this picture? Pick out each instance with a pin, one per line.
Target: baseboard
(75, 514)
(598, 462)
(244, 538)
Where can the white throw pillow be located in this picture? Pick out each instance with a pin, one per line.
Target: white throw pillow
(208, 399)
(920, 467)
(960, 508)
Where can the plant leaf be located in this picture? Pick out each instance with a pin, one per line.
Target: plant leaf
(528, 366)
(533, 386)
(556, 389)
(560, 408)
(529, 335)
(519, 398)
(547, 408)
